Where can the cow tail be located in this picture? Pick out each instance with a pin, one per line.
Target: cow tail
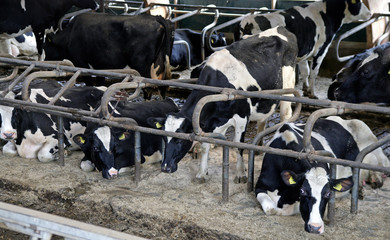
(166, 43)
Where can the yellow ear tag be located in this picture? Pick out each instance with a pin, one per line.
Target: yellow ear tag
(338, 187)
(122, 137)
(353, 1)
(82, 140)
(291, 181)
(388, 72)
(158, 125)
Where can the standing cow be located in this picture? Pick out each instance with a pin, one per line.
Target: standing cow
(315, 25)
(38, 16)
(364, 78)
(102, 41)
(261, 62)
(287, 186)
(111, 150)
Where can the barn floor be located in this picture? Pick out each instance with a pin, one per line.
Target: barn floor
(175, 206)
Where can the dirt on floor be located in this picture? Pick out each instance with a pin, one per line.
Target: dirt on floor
(176, 206)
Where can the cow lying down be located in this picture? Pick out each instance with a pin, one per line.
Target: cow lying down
(34, 135)
(111, 150)
(287, 186)
(364, 78)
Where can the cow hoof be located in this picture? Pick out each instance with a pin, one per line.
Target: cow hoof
(87, 166)
(200, 180)
(10, 153)
(242, 179)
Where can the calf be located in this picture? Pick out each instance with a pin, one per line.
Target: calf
(315, 25)
(111, 150)
(179, 56)
(261, 62)
(36, 133)
(364, 78)
(17, 17)
(287, 186)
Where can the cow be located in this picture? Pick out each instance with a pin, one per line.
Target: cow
(179, 56)
(364, 78)
(7, 132)
(315, 25)
(288, 186)
(24, 45)
(38, 16)
(260, 62)
(163, 11)
(102, 41)
(111, 150)
(36, 133)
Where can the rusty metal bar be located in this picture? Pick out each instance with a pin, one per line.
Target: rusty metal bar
(61, 150)
(332, 200)
(70, 83)
(359, 159)
(17, 80)
(27, 81)
(225, 175)
(15, 71)
(137, 148)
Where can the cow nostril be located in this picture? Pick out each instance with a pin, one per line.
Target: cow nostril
(314, 229)
(8, 135)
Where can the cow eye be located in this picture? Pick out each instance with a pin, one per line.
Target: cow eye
(364, 72)
(95, 149)
(327, 194)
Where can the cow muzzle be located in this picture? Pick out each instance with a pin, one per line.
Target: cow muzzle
(8, 135)
(315, 228)
(168, 168)
(112, 173)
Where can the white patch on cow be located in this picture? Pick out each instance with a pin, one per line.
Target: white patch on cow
(113, 172)
(368, 59)
(26, 48)
(104, 134)
(155, 157)
(363, 137)
(9, 149)
(23, 4)
(275, 20)
(113, 109)
(7, 132)
(289, 137)
(205, 148)
(288, 73)
(272, 32)
(87, 166)
(317, 179)
(234, 70)
(172, 124)
(32, 143)
(269, 203)
(364, 14)
(39, 91)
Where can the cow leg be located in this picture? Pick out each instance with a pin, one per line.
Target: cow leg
(204, 153)
(268, 205)
(9, 149)
(241, 176)
(49, 151)
(304, 71)
(288, 82)
(87, 165)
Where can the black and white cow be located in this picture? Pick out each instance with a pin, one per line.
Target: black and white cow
(315, 25)
(102, 41)
(38, 16)
(179, 56)
(287, 186)
(111, 150)
(364, 78)
(36, 133)
(261, 62)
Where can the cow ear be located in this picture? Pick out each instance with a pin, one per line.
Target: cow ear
(290, 178)
(341, 185)
(80, 139)
(124, 136)
(156, 122)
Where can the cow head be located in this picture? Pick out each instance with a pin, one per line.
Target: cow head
(85, 4)
(7, 130)
(104, 146)
(369, 81)
(175, 148)
(315, 188)
(355, 11)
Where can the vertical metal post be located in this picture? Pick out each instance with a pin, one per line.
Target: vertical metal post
(137, 147)
(332, 201)
(101, 6)
(225, 175)
(251, 170)
(355, 190)
(61, 150)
